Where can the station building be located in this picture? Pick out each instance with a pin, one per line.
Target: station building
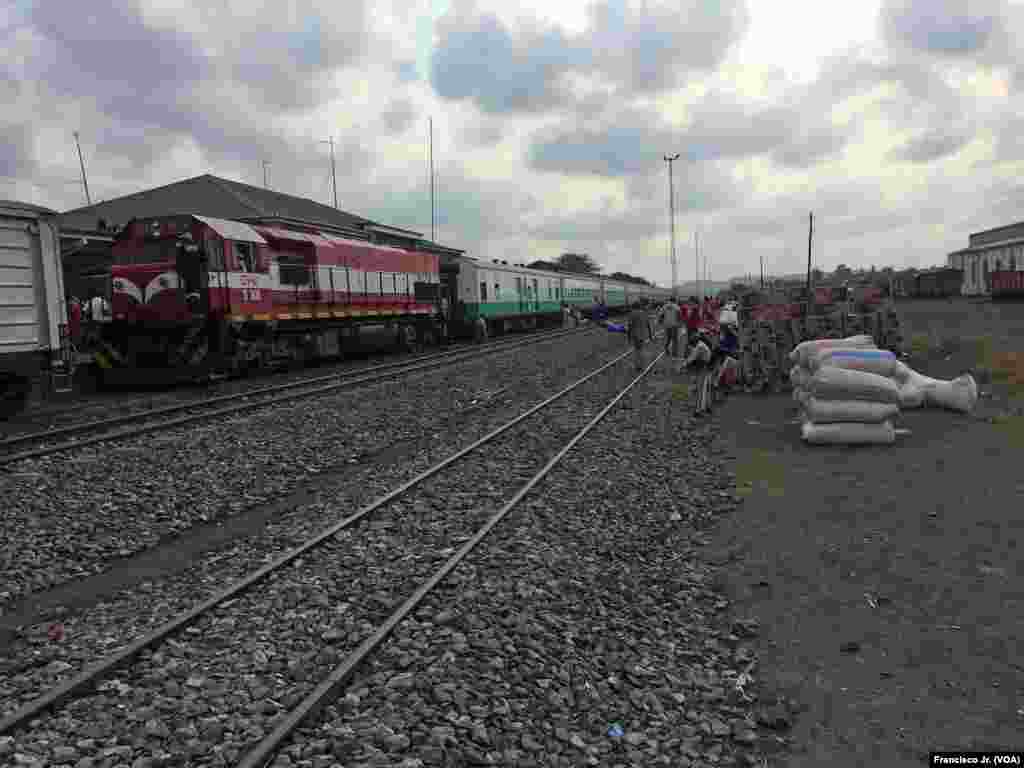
(989, 251)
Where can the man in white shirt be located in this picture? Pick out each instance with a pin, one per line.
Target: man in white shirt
(668, 319)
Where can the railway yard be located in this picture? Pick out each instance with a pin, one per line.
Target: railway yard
(520, 553)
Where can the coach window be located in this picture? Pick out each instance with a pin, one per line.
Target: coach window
(483, 291)
(497, 291)
(1013, 260)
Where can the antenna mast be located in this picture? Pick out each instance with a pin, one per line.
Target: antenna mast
(81, 162)
(334, 175)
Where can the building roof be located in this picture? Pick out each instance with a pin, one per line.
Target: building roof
(211, 196)
(17, 207)
(997, 234)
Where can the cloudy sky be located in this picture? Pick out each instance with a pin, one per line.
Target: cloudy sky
(900, 123)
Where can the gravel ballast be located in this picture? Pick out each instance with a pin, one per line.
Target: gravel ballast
(589, 630)
(208, 695)
(67, 515)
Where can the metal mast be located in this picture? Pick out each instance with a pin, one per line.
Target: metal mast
(81, 162)
(672, 222)
(334, 175)
(432, 180)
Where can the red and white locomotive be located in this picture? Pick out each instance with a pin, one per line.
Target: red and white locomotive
(196, 291)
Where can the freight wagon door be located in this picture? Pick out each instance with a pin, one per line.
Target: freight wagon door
(24, 299)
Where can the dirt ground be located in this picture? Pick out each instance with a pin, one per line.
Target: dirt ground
(888, 581)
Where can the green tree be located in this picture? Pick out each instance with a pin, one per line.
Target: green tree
(550, 266)
(580, 263)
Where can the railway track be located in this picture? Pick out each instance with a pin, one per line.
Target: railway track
(360, 584)
(46, 442)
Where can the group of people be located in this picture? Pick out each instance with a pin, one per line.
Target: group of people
(705, 351)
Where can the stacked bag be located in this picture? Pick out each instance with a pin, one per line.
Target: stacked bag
(850, 391)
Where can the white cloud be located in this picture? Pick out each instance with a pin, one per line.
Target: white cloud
(550, 118)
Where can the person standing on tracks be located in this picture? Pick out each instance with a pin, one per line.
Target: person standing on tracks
(668, 319)
(639, 331)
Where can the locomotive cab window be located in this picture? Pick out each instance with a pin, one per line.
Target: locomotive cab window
(246, 257)
(215, 253)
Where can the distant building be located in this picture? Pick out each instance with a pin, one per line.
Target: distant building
(989, 251)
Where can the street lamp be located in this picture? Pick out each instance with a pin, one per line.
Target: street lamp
(672, 222)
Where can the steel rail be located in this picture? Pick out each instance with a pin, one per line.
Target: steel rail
(92, 675)
(353, 379)
(49, 434)
(263, 752)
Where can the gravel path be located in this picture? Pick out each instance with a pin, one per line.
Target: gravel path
(67, 516)
(205, 697)
(888, 580)
(589, 630)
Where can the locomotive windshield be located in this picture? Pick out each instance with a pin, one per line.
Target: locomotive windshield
(147, 252)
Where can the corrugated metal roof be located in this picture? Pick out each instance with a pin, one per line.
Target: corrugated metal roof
(233, 230)
(17, 207)
(210, 195)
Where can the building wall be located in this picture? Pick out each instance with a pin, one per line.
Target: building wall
(978, 264)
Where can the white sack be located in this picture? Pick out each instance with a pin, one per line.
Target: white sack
(802, 350)
(879, 361)
(911, 395)
(854, 411)
(960, 394)
(841, 384)
(849, 434)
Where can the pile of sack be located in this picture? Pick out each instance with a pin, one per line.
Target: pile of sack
(850, 391)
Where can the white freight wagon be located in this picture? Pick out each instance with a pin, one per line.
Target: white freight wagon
(34, 344)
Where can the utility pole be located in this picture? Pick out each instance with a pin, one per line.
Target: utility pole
(696, 261)
(432, 180)
(81, 162)
(672, 222)
(334, 175)
(265, 164)
(810, 237)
